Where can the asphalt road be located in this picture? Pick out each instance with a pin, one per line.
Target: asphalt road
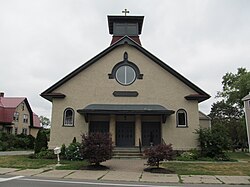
(19, 181)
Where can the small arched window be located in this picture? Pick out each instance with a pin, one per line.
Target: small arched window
(181, 118)
(68, 117)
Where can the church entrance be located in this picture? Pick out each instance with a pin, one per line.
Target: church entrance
(151, 133)
(99, 126)
(125, 134)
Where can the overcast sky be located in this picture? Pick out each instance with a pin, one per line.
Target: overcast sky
(41, 41)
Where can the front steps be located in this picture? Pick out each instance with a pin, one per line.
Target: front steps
(127, 153)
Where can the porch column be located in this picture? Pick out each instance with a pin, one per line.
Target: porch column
(112, 128)
(137, 129)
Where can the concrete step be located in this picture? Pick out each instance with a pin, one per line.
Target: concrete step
(127, 152)
(127, 157)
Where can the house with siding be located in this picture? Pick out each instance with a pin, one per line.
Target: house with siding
(17, 117)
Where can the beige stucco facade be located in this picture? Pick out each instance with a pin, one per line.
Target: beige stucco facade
(93, 86)
(205, 121)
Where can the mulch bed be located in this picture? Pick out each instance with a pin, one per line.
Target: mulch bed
(158, 170)
(95, 167)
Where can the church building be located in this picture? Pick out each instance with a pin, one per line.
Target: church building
(127, 91)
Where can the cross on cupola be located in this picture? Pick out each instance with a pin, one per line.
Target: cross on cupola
(125, 12)
(125, 25)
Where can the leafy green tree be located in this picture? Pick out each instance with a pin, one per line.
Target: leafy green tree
(213, 142)
(232, 120)
(228, 112)
(235, 87)
(41, 141)
(44, 121)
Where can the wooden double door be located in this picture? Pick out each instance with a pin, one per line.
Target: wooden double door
(125, 134)
(151, 133)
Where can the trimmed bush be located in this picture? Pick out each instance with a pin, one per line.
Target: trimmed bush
(158, 153)
(190, 155)
(41, 141)
(63, 151)
(97, 147)
(74, 140)
(46, 154)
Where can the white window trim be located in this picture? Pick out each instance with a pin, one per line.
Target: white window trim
(64, 118)
(177, 118)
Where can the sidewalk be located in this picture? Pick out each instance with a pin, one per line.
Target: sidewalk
(7, 153)
(126, 170)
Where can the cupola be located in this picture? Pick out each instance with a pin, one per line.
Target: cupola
(120, 26)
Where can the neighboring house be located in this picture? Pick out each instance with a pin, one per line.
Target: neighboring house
(127, 91)
(246, 101)
(16, 116)
(205, 121)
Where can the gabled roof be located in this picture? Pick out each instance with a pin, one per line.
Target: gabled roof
(36, 121)
(8, 107)
(201, 96)
(11, 102)
(203, 116)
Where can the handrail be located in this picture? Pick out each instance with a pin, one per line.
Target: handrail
(140, 145)
(163, 141)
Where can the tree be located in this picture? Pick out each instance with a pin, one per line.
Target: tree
(235, 87)
(228, 112)
(232, 120)
(44, 121)
(41, 141)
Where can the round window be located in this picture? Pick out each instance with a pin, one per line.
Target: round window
(125, 75)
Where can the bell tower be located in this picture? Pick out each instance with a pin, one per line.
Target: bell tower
(120, 26)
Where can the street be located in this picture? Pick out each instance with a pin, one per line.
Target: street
(20, 181)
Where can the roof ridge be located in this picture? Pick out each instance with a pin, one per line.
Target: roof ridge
(5, 100)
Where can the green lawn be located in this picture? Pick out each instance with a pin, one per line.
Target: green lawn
(242, 167)
(209, 168)
(24, 162)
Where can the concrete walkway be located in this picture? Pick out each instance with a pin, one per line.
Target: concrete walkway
(8, 153)
(126, 170)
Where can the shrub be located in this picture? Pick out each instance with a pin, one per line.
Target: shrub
(3, 146)
(13, 142)
(97, 147)
(193, 154)
(213, 142)
(63, 151)
(31, 142)
(73, 152)
(46, 154)
(159, 153)
(41, 141)
(74, 140)
(186, 156)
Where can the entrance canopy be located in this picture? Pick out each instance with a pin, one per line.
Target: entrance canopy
(129, 109)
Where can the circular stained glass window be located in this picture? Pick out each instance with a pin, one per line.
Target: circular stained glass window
(125, 75)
